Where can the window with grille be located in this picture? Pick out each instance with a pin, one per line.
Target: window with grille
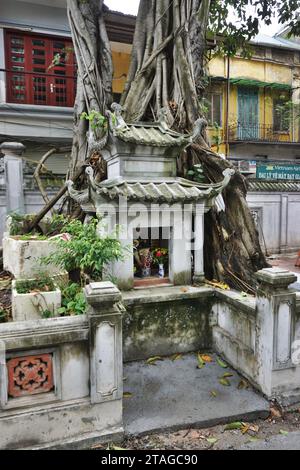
(40, 70)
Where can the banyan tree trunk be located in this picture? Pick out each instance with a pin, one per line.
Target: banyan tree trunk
(95, 72)
(167, 69)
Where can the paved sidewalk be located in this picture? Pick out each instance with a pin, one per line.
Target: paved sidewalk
(289, 442)
(177, 395)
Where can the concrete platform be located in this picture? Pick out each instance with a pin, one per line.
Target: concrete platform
(177, 395)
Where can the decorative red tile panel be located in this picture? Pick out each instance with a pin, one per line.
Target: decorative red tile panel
(29, 375)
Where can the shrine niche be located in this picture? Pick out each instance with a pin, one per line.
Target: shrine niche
(160, 215)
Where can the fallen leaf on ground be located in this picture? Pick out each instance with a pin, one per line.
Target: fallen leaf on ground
(275, 412)
(206, 358)
(227, 374)
(225, 382)
(201, 363)
(116, 448)
(184, 289)
(234, 425)
(214, 393)
(283, 432)
(253, 439)
(153, 360)
(127, 395)
(243, 384)
(176, 356)
(212, 440)
(221, 363)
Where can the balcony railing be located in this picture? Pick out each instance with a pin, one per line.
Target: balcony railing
(259, 133)
(48, 89)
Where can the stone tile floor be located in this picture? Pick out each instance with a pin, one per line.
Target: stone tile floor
(173, 394)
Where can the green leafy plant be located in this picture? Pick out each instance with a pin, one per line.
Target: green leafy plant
(96, 119)
(196, 174)
(43, 284)
(73, 300)
(86, 250)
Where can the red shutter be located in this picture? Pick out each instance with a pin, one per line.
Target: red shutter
(32, 78)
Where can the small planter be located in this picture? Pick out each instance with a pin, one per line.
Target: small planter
(34, 305)
(22, 258)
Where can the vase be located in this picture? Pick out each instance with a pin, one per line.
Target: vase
(161, 270)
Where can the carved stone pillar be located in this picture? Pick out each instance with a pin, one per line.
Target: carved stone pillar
(13, 176)
(105, 324)
(275, 329)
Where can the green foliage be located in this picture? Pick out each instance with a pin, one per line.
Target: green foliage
(237, 21)
(196, 174)
(86, 250)
(18, 223)
(43, 284)
(96, 119)
(73, 300)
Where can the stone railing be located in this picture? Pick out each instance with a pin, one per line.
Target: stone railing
(61, 378)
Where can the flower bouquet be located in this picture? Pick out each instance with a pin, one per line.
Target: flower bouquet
(160, 257)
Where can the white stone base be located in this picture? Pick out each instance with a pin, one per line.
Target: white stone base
(30, 306)
(22, 258)
(60, 424)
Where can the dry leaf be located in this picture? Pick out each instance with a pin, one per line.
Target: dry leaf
(127, 395)
(212, 440)
(243, 384)
(176, 357)
(234, 425)
(275, 413)
(214, 393)
(227, 374)
(201, 363)
(152, 360)
(184, 289)
(206, 358)
(221, 363)
(225, 382)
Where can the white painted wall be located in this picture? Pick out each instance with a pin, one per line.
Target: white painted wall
(35, 16)
(279, 220)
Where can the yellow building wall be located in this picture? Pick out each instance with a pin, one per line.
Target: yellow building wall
(239, 68)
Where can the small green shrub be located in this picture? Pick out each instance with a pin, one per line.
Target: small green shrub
(86, 251)
(73, 300)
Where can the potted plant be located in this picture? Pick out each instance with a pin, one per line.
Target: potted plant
(22, 252)
(33, 299)
(160, 257)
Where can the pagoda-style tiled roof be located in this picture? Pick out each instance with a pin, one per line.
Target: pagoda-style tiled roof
(151, 134)
(273, 186)
(172, 190)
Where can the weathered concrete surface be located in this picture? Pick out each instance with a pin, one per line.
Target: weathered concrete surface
(176, 394)
(289, 442)
(166, 320)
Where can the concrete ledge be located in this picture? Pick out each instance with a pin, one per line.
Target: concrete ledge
(247, 304)
(40, 333)
(165, 294)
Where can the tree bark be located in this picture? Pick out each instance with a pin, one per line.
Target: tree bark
(95, 72)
